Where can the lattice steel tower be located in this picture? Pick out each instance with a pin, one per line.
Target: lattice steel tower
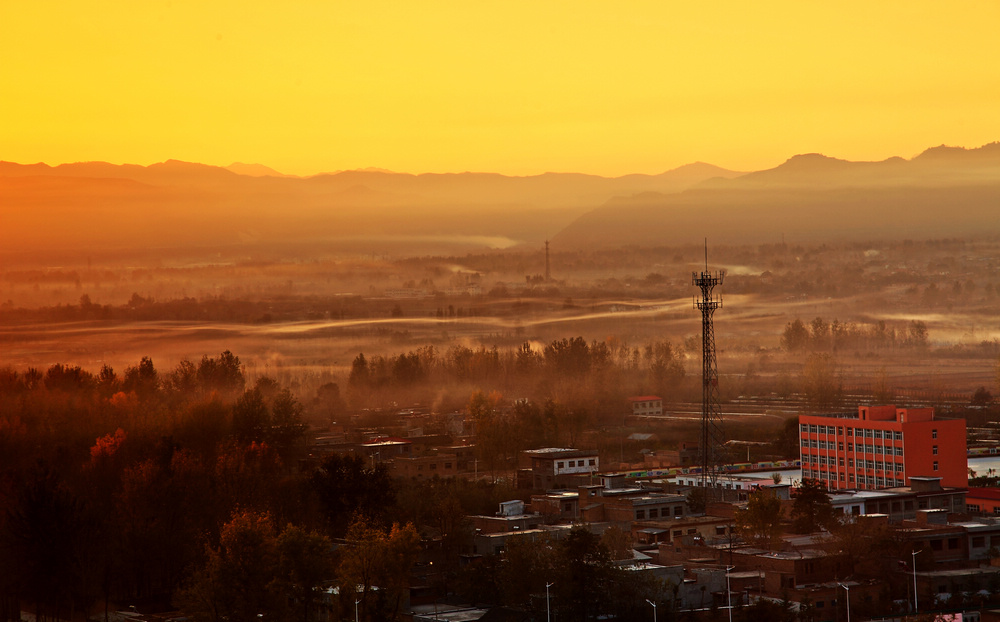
(712, 443)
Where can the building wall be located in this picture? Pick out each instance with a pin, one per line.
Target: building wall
(873, 451)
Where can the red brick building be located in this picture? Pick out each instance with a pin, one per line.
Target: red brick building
(882, 447)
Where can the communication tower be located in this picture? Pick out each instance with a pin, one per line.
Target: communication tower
(712, 442)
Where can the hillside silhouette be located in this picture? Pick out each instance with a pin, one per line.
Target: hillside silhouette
(944, 191)
(175, 204)
(91, 206)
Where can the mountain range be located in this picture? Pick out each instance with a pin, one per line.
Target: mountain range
(944, 191)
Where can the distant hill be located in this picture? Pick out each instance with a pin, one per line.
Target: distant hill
(254, 170)
(100, 205)
(944, 191)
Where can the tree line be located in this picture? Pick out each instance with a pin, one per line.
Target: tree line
(193, 488)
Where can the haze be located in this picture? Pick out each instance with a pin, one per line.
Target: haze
(518, 88)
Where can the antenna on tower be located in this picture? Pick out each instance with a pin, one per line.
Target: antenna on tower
(712, 442)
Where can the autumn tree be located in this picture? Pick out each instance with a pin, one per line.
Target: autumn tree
(305, 565)
(346, 486)
(494, 432)
(795, 337)
(869, 547)
(377, 558)
(820, 382)
(812, 509)
(235, 582)
(49, 537)
(759, 523)
(143, 379)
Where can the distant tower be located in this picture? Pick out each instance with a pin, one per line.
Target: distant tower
(711, 445)
(548, 275)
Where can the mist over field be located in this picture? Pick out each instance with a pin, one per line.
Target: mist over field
(105, 264)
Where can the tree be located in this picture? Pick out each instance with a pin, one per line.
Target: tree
(251, 418)
(347, 487)
(812, 509)
(236, 581)
(375, 557)
(142, 380)
(869, 547)
(820, 382)
(796, 336)
(982, 398)
(759, 523)
(224, 374)
(304, 565)
(48, 538)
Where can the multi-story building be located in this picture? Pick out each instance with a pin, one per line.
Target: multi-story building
(559, 467)
(882, 447)
(646, 405)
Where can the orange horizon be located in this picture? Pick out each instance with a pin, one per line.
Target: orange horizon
(518, 90)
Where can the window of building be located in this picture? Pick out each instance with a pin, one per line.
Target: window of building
(812, 428)
(850, 447)
(840, 430)
(640, 514)
(447, 465)
(841, 477)
(850, 431)
(559, 465)
(978, 542)
(952, 543)
(803, 427)
(840, 447)
(899, 451)
(898, 436)
(869, 433)
(653, 513)
(934, 450)
(850, 462)
(840, 462)
(935, 465)
(677, 533)
(678, 511)
(850, 477)
(434, 466)
(878, 434)
(691, 532)
(934, 433)
(720, 531)
(592, 462)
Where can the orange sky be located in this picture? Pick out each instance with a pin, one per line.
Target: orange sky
(512, 87)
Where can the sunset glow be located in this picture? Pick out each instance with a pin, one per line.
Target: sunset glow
(515, 87)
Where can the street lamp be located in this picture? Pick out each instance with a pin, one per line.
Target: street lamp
(654, 608)
(356, 601)
(916, 609)
(848, 600)
(548, 611)
(729, 593)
